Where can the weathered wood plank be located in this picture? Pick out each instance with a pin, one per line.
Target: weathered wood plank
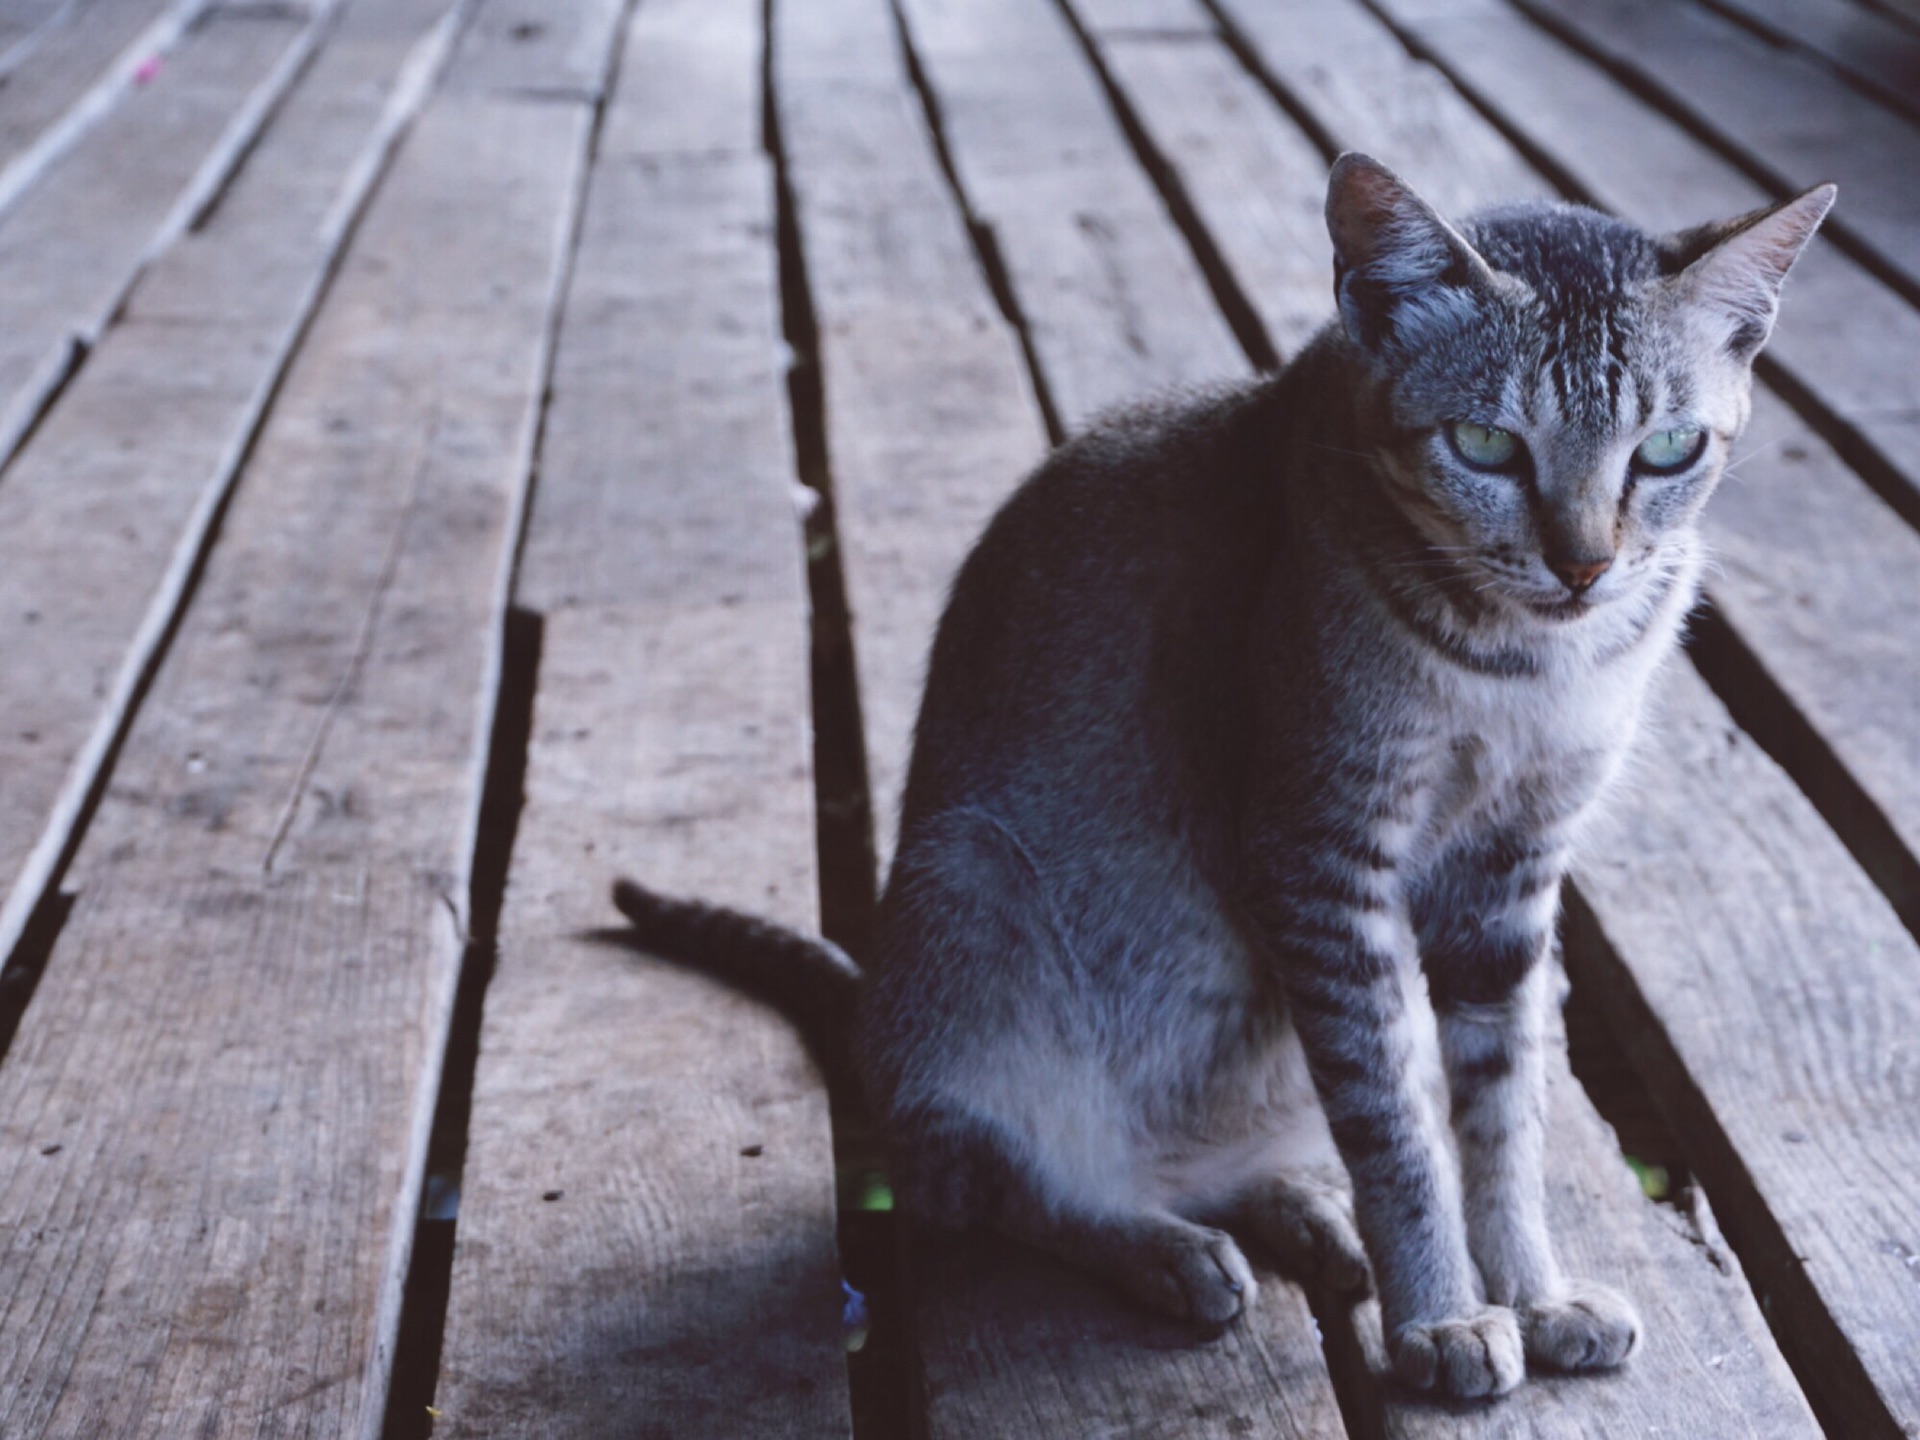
(1094, 265)
(1222, 134)
(534, 47)
(930, 412)
(104, 515)
(1810, 575)
(241, 1039)
(1019, 1344)
(1770, 995)
(1339, 64)
(645, 1241)
(71, 247)
(1874, 52)
(1844, 342)
(1704, 1333)
(1783, 114)
(67, 65)
(931, 420)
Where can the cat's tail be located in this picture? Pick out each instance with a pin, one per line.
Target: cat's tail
(808, 978)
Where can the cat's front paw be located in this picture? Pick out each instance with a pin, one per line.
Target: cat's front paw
(1473, 1357)
(1588, 1327)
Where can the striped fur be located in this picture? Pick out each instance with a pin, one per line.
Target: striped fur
(1258, 733)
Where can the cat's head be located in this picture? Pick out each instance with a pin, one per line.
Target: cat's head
(1554, 392)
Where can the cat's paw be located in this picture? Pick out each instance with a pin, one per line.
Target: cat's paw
(1471, 1358)
(1309, 1227)
(1589, 1327)
(1194, 1273)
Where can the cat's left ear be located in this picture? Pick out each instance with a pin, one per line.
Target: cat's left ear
(1735, 268)
(1397, 266)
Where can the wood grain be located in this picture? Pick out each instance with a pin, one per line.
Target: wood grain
(1018, 1344)
(1771, 996)
(1874, 52)
(104, 515)
(243, 1045)
(62, 67)
(1094, 265)
(930, 412)
(645, 1243)
(73, 245)
(537, 48)
(1224, 136)
(1339, 64)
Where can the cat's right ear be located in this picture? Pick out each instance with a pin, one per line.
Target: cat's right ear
(1734, 269)
(1397, 266)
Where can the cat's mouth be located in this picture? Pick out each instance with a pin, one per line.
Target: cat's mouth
(1568, 607)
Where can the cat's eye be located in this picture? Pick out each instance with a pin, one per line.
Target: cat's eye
(1667, 452)
(1485, 447)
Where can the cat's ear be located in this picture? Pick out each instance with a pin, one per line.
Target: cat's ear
(1397, 266)
(1734, 269)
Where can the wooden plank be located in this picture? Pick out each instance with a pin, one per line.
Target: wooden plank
(1783, 115)
(537, 48)
(104, 516)
(645, 1242)
(218, 1243)
(1366, 92)
(1019, 1344)
(1803, 541)
(717, 101)
(1771, 999)
(1809, 577)
(1704, 1335)
(1093, 264)
(69, 64)
(930, 413)
(72, 247)
(1844, 344)
(1876, 53)
(1220, 132)
(930, 420)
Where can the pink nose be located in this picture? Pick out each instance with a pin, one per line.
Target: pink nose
(1579, 575)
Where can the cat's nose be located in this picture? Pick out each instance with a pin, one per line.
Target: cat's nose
(1579, 575)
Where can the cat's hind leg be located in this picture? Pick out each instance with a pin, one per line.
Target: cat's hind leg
(1306, 1222)
(960, 1170)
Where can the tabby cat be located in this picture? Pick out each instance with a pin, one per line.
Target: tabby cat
(1257, 734)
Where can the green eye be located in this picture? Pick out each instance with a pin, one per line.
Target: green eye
(1484, 447)
(1670, 450)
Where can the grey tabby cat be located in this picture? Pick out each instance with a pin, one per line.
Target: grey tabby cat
(1257, 734)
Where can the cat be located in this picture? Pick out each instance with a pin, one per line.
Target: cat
(1258, 730)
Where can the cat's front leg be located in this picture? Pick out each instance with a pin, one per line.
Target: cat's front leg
(1349, 959)
(1486, 966)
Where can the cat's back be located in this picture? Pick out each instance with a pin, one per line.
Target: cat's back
(1097, 630)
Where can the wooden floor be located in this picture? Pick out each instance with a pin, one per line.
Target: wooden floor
(410, 406)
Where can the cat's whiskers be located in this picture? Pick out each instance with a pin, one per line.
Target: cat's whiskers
(1338, 450)
(1734, 465)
